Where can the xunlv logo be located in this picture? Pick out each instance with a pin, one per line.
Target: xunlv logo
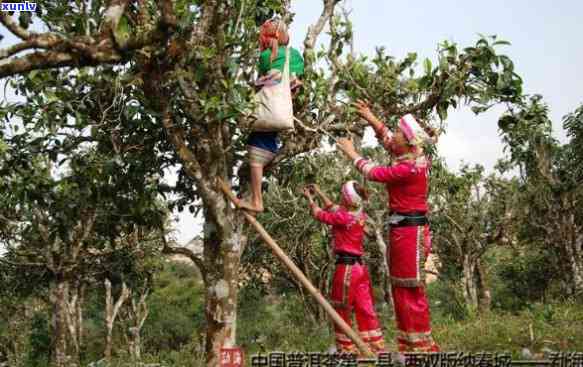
(25, 6)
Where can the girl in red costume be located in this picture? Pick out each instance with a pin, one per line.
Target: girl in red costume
(406, 181)
(351, 286)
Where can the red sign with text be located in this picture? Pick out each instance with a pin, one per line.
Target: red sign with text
(231, 357)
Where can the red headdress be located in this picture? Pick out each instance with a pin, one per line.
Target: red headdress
(272, 34)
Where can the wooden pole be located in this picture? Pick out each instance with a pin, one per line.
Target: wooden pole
(299, 275)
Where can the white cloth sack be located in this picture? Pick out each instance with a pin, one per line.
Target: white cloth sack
(274, 109)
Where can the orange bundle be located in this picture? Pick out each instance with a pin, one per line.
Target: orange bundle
(272, 34)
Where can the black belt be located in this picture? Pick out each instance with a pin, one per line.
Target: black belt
(408, 214)
(409, 219)
(347, 259)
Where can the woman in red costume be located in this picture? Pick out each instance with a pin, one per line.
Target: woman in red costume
(351, 286)
(406, 181)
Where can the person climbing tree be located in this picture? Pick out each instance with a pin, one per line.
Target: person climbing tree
(410, 242)
(262, 146)
(351, 285)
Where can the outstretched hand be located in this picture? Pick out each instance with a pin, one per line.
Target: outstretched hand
(347, 147)
(308, 193)
(314, 188)
(363, 110)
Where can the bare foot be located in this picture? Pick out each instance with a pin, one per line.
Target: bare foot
(241, 204)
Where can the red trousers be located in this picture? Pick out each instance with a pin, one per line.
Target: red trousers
(352, 292)
(409, 247)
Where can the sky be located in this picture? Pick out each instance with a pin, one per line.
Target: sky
(546, 49)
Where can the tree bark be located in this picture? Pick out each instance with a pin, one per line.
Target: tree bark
(469, 282)
(384, 249)
(484, 295)
(137, 315)
(79, 313)
(223, 246)
(575, 269)
(58, 299)
(475, 286)
(573, 244)
(111, 311)
(74, 313)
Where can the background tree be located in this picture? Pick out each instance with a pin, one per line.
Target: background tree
(550, 187)
(67, 195)
(127, 277)
(471, 213)
(54, 239)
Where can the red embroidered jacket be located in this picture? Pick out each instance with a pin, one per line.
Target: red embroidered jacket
(347, 229)
(406, 181)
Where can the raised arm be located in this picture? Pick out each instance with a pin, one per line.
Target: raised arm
(313, 206)
(385, 174)
(325, 199)
(372, 171)
(363, 109)
(326, 216)
(335, 218)
(382, 132)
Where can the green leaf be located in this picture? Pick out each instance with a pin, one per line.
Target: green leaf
(24, 19)
(479, 109)
(506, 62)
(501, 42)
(442, 111)
(500, 83)
(122, 32)
(412, 56)
(428, 66)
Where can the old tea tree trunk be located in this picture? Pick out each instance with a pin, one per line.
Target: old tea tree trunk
(58, 295)
(112, 308)
(224, 243)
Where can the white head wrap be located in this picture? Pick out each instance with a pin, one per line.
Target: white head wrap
(413, 131)
(350, 195)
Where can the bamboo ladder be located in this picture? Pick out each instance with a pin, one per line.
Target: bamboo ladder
(281, 255)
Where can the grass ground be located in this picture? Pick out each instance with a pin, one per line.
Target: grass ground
(557, 327)
(538, 327)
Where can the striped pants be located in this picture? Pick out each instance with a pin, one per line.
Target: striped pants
(409, 247)
(352, 293)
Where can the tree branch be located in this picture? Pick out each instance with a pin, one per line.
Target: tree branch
(13, 27)
(82, 231)
(35, 61)
(168, 16)
(201, 29)
(19, 47)
(78, 51)
(111, 17)
(189, 160)
(315, 29)
(43, 40)
(458, 244)
(143, 307)
(431, 101)
(114, 308)
(171, 250)
(452, 221)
